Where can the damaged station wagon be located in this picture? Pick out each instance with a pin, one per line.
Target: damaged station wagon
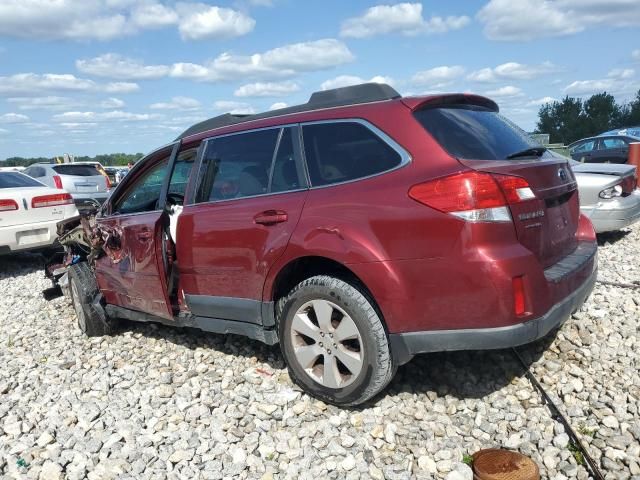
(356, 230)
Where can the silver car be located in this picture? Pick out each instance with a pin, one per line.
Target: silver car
(83, 180)
(608, 194)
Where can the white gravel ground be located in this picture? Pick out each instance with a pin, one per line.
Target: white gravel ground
(155, 402)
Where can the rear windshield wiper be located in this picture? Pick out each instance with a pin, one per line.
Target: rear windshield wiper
(528, 152)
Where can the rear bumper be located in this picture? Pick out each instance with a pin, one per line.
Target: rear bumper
(405, 345)
(29, 236)
(614, 214)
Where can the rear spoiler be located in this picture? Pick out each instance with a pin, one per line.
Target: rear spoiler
(434, 101)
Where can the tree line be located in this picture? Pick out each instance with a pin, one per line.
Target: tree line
(571, 118)
(109, 159)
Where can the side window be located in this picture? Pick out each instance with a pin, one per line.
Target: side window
(608, 143)
(343, 151)
(143, 195)
(285, 175)
(35, 172)
(180, 176)
(237, 166)
(584, 147)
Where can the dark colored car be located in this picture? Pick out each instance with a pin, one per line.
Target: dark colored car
(602, 149)
(356, 231)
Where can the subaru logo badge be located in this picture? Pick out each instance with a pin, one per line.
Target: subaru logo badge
(562, 173)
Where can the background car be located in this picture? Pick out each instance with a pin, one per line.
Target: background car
(83, 180)
(602, 149)
(608, 194)
(29, 212)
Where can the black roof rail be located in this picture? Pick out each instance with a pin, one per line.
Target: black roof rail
(337, 97)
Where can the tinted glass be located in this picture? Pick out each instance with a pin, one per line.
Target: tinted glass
(77, 170)
(343, 151)
(35, 172)
(15, 180)
(180, 176)
(608, 143)
(584, 147)
(474, 133)
(285, 171)
(144, 194)
(237, 166)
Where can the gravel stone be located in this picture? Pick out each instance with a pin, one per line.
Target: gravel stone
(151, 402)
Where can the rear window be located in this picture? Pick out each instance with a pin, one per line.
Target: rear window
(474, 133)
(77, 170)
(17, 180)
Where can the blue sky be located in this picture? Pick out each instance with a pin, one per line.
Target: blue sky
(101, 76)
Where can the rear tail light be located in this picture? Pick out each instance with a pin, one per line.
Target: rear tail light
(106, 179)
(8, 205)
(519, 298)
(57, 181)
(51, 200)
(474, 196)
(611, 192)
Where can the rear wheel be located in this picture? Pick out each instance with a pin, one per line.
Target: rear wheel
(333, 341)
(92, 319)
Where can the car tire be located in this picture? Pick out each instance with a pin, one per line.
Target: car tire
(333, 341)
(92, 319)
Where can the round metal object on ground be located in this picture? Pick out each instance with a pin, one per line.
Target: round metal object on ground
(495, 464)
(327, 343)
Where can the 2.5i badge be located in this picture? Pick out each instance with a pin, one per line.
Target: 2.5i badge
(531, 215)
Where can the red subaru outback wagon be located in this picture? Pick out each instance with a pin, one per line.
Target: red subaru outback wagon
(356, 230)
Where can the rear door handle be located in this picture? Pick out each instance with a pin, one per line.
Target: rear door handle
(271, 217)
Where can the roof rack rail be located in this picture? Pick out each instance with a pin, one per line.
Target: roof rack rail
(337, 97)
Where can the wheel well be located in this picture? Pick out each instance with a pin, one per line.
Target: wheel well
(306, 267)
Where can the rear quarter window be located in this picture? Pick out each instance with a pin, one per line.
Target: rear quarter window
(474, 133)
(342, 151)
(77, 170)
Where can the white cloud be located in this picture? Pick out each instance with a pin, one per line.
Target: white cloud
(348, 80)
(524, 20)
(28, 84)
(113, 65)
(177, 103)
(618, 81)
(112, 102)
(278, 105)
(404, 18)
(239, 108)
(3, 131)
(285, 61)
(110, 19)
(505, 92)
(621, 73)
(199, 21)
(636, 55)
(44, 103)
(438, 77)
(121, 87)
(13, 118)
(153, 15)
(541, 101)
(268, 89)
(80, 118)
(512, 71)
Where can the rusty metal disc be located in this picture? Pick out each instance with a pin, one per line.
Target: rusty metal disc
(495, 464)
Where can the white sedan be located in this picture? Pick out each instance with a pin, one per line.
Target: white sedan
(29, 212)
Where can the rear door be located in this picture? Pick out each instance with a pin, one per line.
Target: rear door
(583, 151)
(250, 192)
(133, 274)
(481, 139)
(79, 178)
